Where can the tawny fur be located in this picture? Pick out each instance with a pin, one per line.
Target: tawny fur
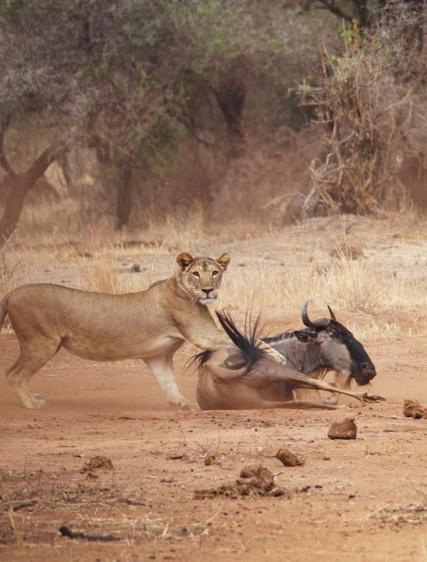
(149, 325)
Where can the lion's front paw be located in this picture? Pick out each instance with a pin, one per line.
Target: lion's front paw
(37, 401)
(182, 405)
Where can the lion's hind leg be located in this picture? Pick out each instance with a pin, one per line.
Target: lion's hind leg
(33, 356)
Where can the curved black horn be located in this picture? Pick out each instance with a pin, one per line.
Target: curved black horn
(304, 317)
(322, 323)
(331, 313)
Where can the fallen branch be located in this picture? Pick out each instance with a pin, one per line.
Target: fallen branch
(67, 532)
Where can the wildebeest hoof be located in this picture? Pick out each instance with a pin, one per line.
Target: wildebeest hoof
(366, 397)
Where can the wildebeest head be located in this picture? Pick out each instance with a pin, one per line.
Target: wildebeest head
(338, 347)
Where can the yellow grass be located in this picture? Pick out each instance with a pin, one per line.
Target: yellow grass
(372, 300)
(377, 303)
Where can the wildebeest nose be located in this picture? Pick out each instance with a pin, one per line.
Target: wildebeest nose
(369, 370)
(207, 291)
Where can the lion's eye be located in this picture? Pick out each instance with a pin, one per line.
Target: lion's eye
(196, 274)
(215, 273)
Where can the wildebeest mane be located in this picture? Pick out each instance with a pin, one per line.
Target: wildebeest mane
(287, 335)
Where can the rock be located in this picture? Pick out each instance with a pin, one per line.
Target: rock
(258, 476)
(255, 480)
(346, 429)
(210, 460)
(413, 409)
(135, 268)
(288, 458)
(167, 479)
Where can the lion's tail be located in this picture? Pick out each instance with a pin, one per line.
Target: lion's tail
(3, 310)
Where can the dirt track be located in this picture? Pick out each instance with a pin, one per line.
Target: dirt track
(354, 500)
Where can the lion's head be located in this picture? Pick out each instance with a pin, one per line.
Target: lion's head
(201, 277)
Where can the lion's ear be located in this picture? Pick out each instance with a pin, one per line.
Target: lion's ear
(184, 260)
(224, 260)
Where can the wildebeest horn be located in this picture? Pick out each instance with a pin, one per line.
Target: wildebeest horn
(307, 322)
(304, 316)
(331, 312)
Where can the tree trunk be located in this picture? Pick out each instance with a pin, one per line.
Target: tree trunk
(231, 99)
(20, 185)
(361, 13)
(12, 210)
(124, 196)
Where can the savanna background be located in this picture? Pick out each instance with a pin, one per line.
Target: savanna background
(292, 134)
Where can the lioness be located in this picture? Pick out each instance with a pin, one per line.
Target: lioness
(149, 325)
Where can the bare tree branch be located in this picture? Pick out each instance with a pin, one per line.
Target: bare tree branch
(21, 184)
(42, 163)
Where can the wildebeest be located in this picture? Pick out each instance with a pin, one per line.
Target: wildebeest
(243, 376)
(325, 345)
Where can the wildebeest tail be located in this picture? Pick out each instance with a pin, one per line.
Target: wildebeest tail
(246, 340)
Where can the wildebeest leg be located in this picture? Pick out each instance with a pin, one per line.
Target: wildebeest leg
(162, 369)
(299, 380)
(362, 396)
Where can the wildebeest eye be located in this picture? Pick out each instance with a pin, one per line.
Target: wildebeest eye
(215, 273)
(196, 274)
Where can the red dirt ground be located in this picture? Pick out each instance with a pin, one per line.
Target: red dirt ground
(352, 500)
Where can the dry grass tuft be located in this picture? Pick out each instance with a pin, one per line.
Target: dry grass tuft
(383, 302)
(275, 274)
(99, 508)
(379, 304)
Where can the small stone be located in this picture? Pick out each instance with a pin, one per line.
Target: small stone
(167, 479)
(135, 268)
(413, 409)
(210, 459)
(345, 429)
(257, 471)
(288, 458)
